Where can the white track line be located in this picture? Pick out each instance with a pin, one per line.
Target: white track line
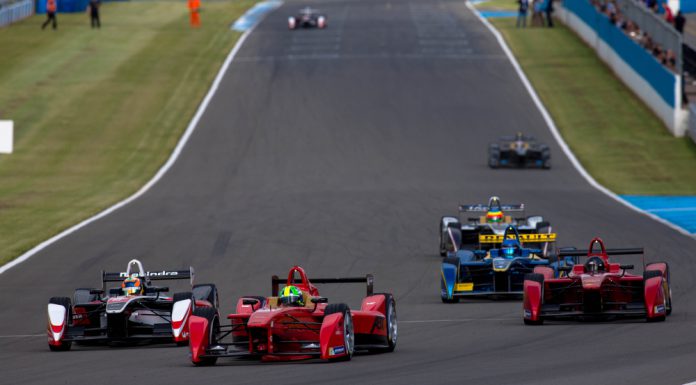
(160, 173)
(552, 126)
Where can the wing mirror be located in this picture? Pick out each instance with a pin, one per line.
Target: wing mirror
(250, 301)
(317, 300)
(626, 267)
(565, 269)
(96, 291)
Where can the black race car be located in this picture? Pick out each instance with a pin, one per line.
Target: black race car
(307, 18)
(98, 316)
(519, 151)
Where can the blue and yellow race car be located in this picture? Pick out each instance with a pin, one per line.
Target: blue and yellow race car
(497, 272)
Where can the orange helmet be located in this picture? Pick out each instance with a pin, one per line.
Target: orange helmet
(132, 286)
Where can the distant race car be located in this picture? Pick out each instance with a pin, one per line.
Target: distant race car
(307, 18)
(491, 219)
(498, 272)
(597, 289)
(269, 329)
(93, 317)
(519, 151)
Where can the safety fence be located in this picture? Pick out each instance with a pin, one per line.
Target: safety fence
(657, 86)
(12, 11)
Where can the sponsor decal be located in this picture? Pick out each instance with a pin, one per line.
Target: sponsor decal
(162, 273)
(492, 238)
(527, 313)
(466, 286)
(660, 309)
(337, 350)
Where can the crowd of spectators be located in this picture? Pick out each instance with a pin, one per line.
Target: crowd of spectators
(665, 56)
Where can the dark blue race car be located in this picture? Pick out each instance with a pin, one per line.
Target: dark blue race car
(498, 272)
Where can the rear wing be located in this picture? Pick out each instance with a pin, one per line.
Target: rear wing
(584, 253)
(481, 208)
(369, 280)
(524, 238)
(163, 275)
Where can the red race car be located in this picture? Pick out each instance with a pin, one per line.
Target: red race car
(297, 325)
(597, 289)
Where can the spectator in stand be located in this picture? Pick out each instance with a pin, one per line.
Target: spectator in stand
(522, 13)
(51, 9)
(679, 22)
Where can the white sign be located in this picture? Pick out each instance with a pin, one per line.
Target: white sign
(6, 136)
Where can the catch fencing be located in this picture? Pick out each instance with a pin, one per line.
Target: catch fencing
(12, 11)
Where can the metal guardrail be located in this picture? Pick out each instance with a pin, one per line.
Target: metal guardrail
(12, 11)
(659, 30)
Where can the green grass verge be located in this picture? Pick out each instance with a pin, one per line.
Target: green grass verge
(503, 5)
(614, 135)
(97, 112)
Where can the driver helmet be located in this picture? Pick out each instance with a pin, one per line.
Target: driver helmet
(132, 286)
(509, 249)
(594, 265)
(291, 296)
(494, 216)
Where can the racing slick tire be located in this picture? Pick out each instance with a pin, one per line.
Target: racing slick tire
(65, 302)
(211, 315)
(392, 327)
(493, 155)
(348, 333)
(536, 278)
(211, 296)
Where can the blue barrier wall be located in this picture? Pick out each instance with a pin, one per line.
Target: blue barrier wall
(640, 60)
(64, 6)
(687, 6)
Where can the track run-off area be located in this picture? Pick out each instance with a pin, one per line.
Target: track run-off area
(338, 150)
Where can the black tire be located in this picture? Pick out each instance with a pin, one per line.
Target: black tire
(211, 295)
(443, 251)
(493, 162)
(392, 326)
(348, 332)
(211, 315)
(452, 261)
(65, 302)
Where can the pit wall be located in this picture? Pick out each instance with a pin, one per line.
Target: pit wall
(659, 88)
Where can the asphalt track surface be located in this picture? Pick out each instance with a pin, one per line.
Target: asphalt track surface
(338, 150)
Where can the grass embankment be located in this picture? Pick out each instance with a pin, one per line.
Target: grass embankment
(502, 5)
(614, 135)
(97, 112)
